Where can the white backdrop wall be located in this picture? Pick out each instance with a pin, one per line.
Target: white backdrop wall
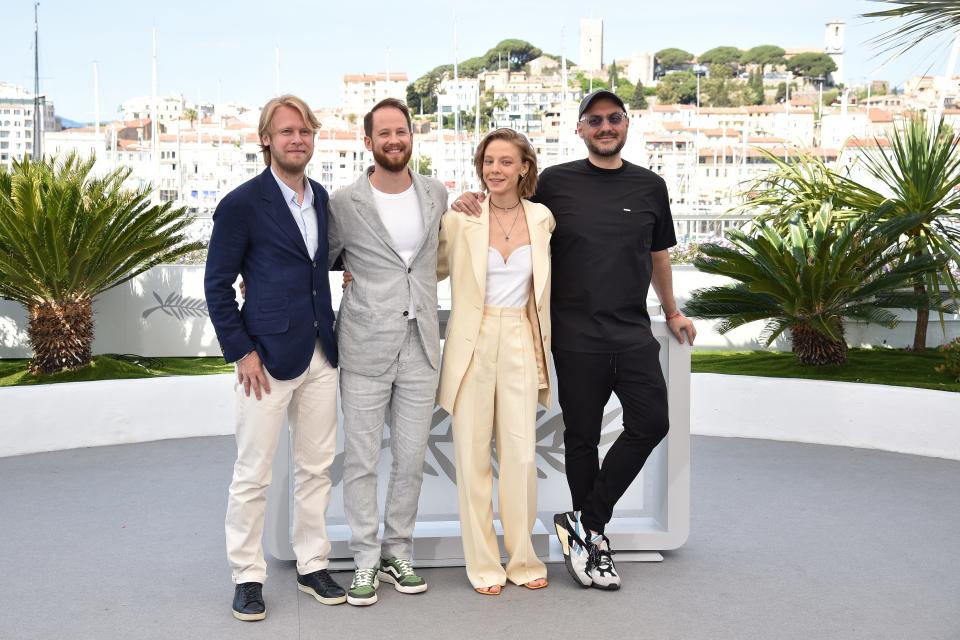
(162, 313)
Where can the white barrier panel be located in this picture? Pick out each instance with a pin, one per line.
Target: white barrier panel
(845, 414)
(653, 515)
(162, 313)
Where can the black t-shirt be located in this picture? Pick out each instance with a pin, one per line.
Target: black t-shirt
(608, 222)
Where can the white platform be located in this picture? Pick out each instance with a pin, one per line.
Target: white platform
(653, 515)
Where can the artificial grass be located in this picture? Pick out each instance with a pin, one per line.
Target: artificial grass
(876, 366)
(13, 372)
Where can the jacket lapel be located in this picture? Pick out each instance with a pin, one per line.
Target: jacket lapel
(537, 225)
(366, 208)
(279, 211)
(477, 235)
(430, 210)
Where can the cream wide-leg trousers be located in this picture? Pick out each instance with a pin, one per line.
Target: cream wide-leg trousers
(310, 401)
(498, 397)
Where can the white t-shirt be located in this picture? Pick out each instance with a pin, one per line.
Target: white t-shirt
(400, 214)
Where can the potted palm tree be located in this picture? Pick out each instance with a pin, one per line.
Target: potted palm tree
(808, 277)
(66, 236)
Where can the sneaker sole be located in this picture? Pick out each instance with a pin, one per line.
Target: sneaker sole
(362, 602)
(249, 617)
(564, 536)
(386, 577)
(609, 587)
(309, 591)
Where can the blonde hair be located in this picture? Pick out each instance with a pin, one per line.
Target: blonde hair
(528, 183)
(269, 109)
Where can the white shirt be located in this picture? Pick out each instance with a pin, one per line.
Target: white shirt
(400, 214)
(508, 283)
(303, 214)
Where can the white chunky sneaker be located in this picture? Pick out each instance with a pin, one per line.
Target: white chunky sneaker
(575, 552)
(600, 567)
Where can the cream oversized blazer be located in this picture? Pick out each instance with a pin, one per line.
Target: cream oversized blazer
(464, 246)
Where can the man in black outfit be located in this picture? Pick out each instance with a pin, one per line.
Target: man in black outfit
(612, 239)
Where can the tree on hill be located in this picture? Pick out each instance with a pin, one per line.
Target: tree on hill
(511, 53)
(638, 100)
(624, 90)
(586, 84)
(755, 84)
(673, 57)
(812, 65)
(721, 55)
(715, 90)
(614, 75)
(677, 88)
(764, 55)
(514, 52)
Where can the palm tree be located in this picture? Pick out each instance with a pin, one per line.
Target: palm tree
(925, 19)
(808, 280)
(190, 115)
(66, 236)
(921, 174)
(799, 186)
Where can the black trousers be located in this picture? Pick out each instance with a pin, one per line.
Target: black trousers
(585, 382)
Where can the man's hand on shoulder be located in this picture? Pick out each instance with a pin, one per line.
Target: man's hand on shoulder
(250, 373)
(468, 202)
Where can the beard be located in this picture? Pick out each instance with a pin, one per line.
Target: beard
(391, 164)
(291, 164)
(605, 152)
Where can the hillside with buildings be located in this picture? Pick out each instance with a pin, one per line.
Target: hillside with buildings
(707, 150)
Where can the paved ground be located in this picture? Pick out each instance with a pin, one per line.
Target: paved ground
(788, 541)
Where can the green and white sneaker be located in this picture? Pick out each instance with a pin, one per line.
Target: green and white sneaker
(363, 589)
(400, 573)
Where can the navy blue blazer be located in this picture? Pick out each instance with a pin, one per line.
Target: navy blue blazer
(287, 307)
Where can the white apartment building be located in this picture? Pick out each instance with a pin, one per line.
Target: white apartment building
(16, 123)
(527, 99)
(836, 127)
(462, 94)
(638, 68)
(169, 108)
(195, 169)
(361, 91)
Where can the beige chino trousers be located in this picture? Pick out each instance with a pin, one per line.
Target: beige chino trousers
(498, 397)
(310, 402)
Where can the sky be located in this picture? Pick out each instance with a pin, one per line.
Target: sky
(227, 50)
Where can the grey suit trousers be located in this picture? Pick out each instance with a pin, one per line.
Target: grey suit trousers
(405, 394)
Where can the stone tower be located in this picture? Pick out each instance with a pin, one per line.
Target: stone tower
(833, 47)
(591, 44)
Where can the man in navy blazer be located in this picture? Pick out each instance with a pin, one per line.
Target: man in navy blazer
(272, 230)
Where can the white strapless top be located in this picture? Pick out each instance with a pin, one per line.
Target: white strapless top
(508, 283)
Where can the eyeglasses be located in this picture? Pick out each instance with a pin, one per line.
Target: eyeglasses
(613, 118)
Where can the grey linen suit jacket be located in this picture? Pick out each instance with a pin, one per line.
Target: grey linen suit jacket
(373, 316)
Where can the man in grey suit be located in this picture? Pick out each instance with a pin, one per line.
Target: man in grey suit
(385, 228)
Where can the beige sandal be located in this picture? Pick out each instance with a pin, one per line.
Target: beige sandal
(492, 590)
(539, 583)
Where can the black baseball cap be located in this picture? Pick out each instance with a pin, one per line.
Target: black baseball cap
(599, 93)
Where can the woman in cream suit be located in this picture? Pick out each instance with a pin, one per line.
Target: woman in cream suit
(494, 367)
